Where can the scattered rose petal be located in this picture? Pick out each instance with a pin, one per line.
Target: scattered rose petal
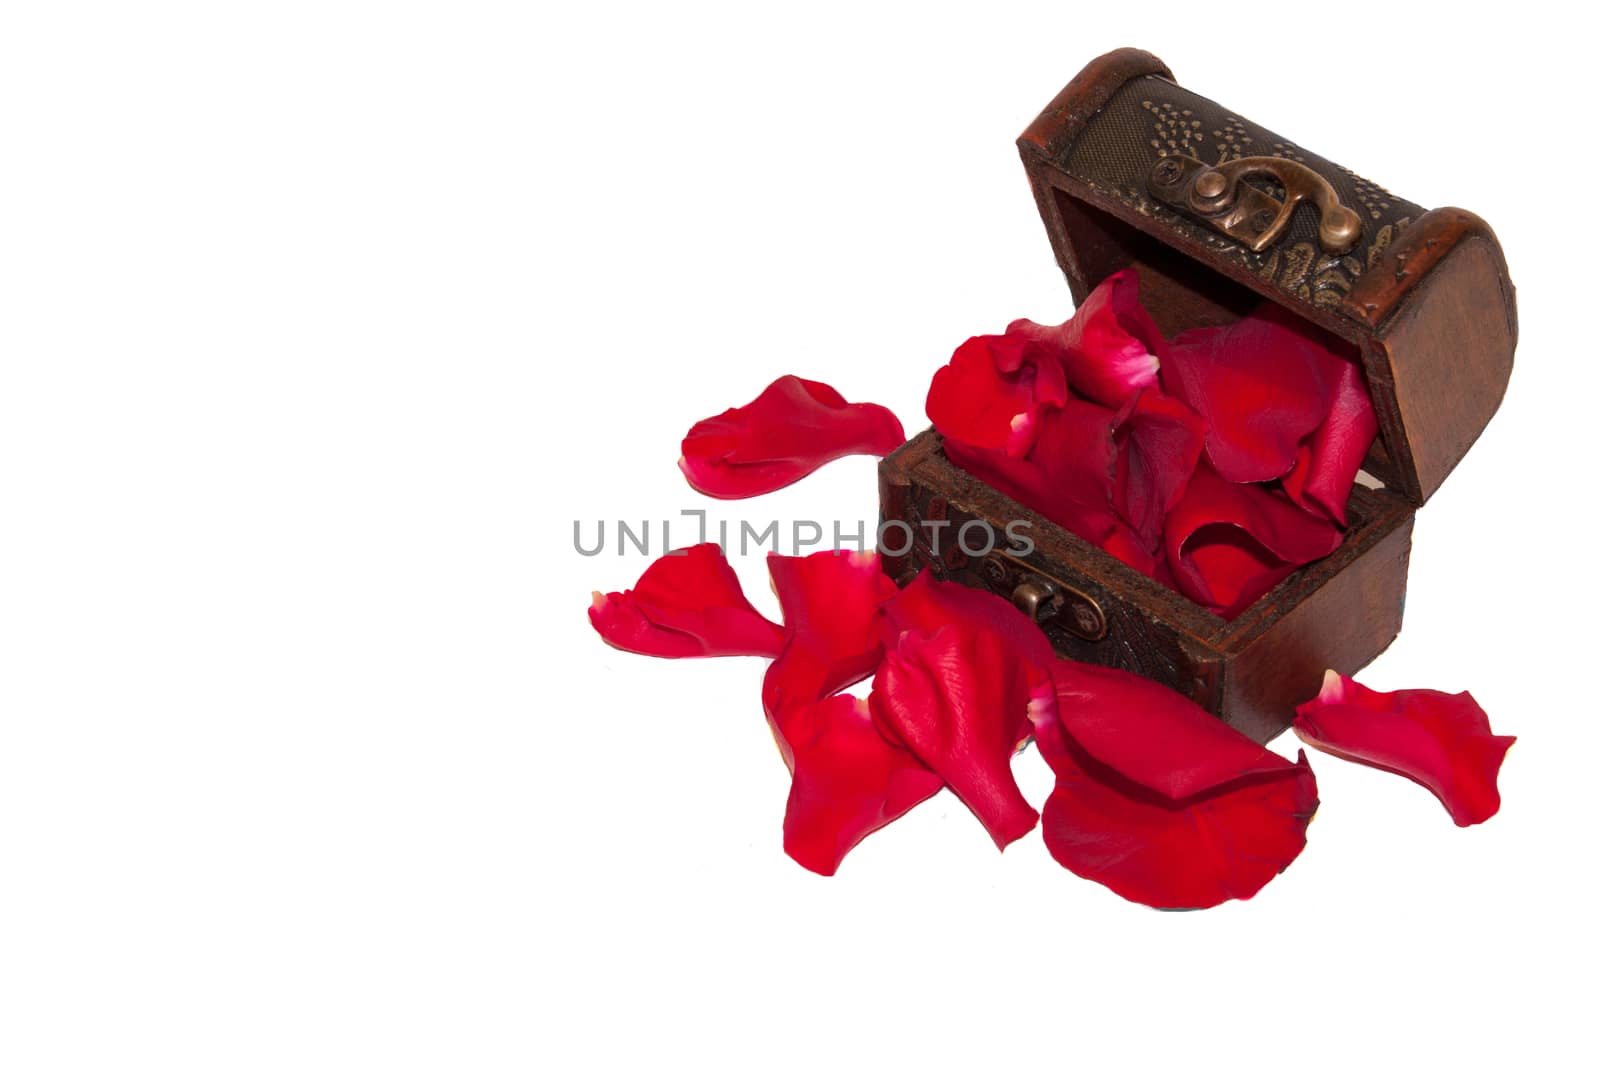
(1325, 467)
(686, 605)
(1227, 544)
(791, 429)
(1153, 735)
(1263, 384)
(1441, 741)
(1110, 347)
(959, 698)
(1115, 822)
(849, 780)
(830, 605)
(991, 392)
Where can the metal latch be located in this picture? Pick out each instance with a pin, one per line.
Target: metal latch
(1220, 196)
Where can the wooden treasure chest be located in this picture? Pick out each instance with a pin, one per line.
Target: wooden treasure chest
(1217, 214)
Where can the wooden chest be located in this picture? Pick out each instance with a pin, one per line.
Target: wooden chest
(1116, 169)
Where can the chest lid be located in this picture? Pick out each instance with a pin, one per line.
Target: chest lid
(1216, 212)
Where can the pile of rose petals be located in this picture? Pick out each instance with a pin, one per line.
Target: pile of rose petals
(1217, 462)
(1154, 798)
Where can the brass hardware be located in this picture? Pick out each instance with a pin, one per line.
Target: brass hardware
(1049, 602)
(1221, 196)
(1032, 598)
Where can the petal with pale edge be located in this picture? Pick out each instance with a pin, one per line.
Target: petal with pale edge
(1325, 467)
(991, 392)
(686, 605)
(1111, 347)
(1263, 384)
(958, 698)
(1441, 741)
(1068, 477)
(791, 429)
(1228, 543)
(1112, 817)
(849, 780)
(928, 604)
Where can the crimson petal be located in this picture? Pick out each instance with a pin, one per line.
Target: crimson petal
(849, 780)
(1227, 544)
(687, 604)
(1151, 734)
(791, 429)
(1106, 822)
(928, 604)
(1067, 477)
(1158, 444)
(959, 698)
(1325, 467)
(991, 392)
(1110, 347)
(830, 605)
(1442, 741)
(1263, 384)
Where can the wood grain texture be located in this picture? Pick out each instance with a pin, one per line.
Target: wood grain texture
(1448, 352)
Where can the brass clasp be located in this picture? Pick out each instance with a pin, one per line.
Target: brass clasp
(1220, 196)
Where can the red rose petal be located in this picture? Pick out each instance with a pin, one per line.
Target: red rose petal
(990, 393)
(1110, 347)
(1325, 467)
(849, 780)
(1158, 444)
(830, 605)
(1263, 384)
(1227, 544)
(1442, 741)
(958, 698)
(1169, 854)
(928, 604)
(1152, 735)
(686, 605)
(1222, 843)
(1067, 477)
(791, 429)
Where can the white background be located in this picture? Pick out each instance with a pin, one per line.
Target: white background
(322, 323)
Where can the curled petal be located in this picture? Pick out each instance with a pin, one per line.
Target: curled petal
(849, 780)
(1263, 384)
(1227, 543)
(1110, 347)
(1168, 854)
(1442, 741)
(991, 392)
(830, 605)
(1113, 818)
(791, 429)
(686, 605)
(1325, 467)
(1152, 736)
(959, 699)
(1158, 442)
